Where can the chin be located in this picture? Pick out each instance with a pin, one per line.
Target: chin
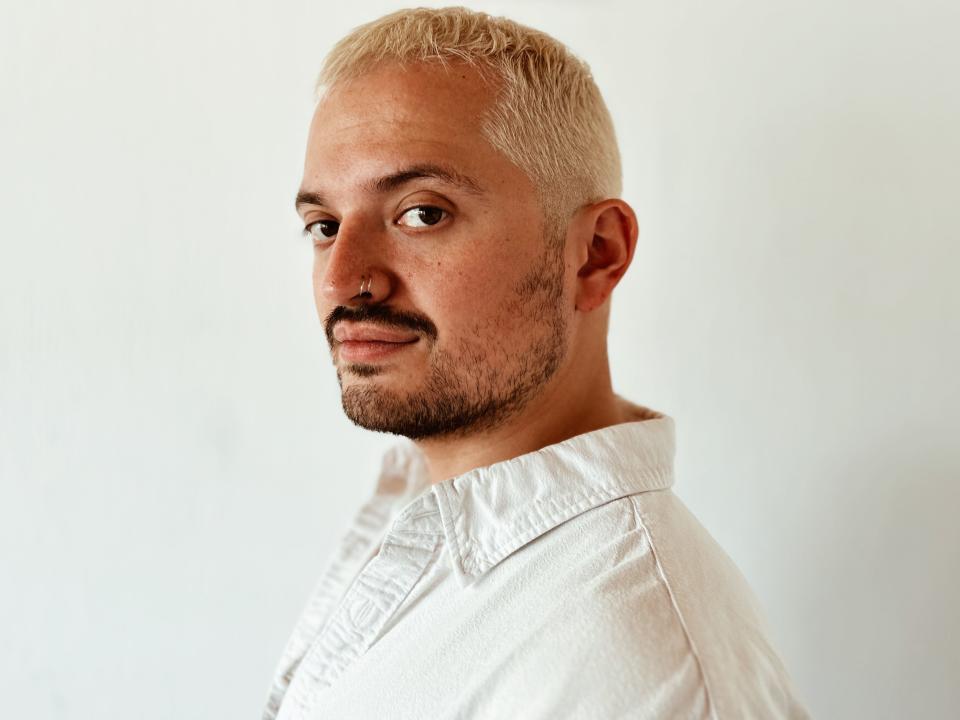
(362, 370)
(376, 409)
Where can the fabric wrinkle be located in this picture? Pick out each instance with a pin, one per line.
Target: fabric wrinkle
(570, 577)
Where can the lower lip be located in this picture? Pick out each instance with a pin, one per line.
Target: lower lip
(355, 351)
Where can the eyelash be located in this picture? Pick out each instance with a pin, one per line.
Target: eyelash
(446, 213)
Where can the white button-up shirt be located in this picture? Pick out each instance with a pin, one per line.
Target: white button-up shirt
(569, 582)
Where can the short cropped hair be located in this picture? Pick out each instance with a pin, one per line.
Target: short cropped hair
(549, 117)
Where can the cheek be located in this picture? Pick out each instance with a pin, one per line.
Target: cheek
(316, 278)
(483, 308)
(484, 275)
(469, 288)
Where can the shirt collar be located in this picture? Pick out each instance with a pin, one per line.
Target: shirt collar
(490, 512)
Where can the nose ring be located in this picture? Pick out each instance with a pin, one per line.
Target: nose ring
(365, 283)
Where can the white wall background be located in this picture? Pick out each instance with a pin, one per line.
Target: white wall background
(172, 451)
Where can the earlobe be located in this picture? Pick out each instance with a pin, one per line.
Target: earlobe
(610, 238)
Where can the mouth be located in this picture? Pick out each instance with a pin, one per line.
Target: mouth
(369, 351)
(359, 343)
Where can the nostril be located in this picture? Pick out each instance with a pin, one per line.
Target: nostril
(366, 283)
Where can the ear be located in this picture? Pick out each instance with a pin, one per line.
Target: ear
(606, 239)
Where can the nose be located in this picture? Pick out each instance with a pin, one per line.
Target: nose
(352, 270)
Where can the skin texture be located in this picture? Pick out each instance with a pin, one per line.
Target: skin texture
(506, 318)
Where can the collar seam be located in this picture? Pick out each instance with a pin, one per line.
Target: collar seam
(534, 523)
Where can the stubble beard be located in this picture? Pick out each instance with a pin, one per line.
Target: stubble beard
(483, 383)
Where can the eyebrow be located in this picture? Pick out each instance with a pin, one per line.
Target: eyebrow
(394, 180)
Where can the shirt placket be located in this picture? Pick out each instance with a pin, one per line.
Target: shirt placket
(378, 591)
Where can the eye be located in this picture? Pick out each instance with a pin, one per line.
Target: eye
(322, 229)
(422, 216)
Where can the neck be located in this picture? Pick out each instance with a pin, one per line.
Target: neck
(572, 403)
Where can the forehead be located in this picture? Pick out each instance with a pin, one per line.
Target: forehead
(397, 115)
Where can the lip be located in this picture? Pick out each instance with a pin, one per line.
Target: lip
(369, 343)
(366, 351)
(352, 333)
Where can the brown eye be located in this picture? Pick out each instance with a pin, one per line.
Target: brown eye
(322, 229)
(422, 216)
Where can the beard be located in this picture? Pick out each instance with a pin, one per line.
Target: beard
(483, 380)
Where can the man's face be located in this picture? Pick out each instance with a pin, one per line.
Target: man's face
(465, 318)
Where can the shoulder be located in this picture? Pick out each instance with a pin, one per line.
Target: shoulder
(710, 601)
(631, 609)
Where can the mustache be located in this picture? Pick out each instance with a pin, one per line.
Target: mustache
(379, 315)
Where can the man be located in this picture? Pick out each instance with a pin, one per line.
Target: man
(523, 555)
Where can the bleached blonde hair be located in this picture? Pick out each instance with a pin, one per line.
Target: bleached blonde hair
(549, 117)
